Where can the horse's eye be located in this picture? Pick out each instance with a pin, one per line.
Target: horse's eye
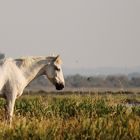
(58, 69)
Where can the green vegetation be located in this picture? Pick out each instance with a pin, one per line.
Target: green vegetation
(60, 117)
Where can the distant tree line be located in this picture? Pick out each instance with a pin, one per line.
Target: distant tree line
(111, 81)
(77, 81)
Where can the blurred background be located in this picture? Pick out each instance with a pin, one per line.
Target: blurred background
(97, 40)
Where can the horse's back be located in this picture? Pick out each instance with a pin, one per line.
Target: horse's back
(10, 72)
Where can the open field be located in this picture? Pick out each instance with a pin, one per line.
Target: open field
(78, 115)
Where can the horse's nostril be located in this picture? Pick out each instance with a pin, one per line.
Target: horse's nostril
(59, 86)
(62, 86)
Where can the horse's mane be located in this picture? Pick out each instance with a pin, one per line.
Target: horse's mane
(29, 60)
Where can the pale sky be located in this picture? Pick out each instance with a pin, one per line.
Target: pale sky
(86, 33)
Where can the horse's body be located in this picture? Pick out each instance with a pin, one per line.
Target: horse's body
(16, 74)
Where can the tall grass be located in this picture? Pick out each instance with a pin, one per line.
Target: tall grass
(72, 117)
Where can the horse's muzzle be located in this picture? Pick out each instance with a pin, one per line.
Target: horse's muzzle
(59, 86)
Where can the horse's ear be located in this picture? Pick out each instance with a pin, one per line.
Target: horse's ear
(58, 60)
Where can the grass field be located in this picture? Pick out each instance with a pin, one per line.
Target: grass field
(73, 116)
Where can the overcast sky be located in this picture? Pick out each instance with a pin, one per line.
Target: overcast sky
(86, 33)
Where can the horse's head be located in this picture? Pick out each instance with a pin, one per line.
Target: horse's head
(55, 74)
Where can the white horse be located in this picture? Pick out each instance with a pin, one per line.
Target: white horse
(16, 74)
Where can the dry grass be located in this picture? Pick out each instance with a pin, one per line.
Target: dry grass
(78, 117)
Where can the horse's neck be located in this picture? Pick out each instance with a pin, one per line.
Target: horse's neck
(34, 70)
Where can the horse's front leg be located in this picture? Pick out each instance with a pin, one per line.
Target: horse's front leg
(9, 108)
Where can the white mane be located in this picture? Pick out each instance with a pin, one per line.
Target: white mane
(27, 61)
(30, 60)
